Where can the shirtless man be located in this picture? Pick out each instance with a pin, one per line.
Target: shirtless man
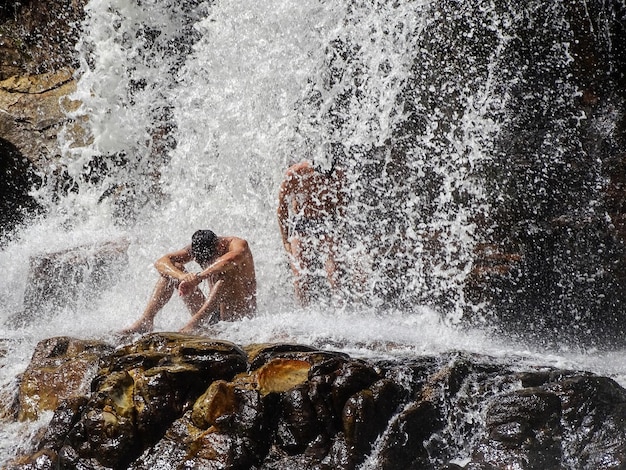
(309, 203)
(227, 266)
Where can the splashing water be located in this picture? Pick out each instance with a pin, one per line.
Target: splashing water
(191, 111)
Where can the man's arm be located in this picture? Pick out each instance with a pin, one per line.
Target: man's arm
(167, 265)
(286, 188)
(232, 260)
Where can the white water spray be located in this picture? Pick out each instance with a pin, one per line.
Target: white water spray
(195, 109)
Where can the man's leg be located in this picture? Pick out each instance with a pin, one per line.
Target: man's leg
(194, 300)
(300, 266)
(209, 311)
(331, 266)
(161, 294)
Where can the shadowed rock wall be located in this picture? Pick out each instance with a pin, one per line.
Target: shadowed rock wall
(37, 60)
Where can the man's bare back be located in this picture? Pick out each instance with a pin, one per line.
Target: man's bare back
(235, 268)
(308, 195)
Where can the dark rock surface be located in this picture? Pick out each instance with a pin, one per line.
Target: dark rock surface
(37, 62)
(175, 401)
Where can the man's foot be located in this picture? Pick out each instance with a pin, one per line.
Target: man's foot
(188, 330)
(139, 327)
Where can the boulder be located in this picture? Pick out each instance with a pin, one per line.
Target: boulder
(17, 177)
(140, 390)
(66, 278)
(60, 368)
(169, 400)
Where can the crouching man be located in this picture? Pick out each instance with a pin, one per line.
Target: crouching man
(226, 264)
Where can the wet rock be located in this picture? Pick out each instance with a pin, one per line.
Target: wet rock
(280, 375)
(34, 112)
(60, 368)
(17, 177)
(69, 278)
(403, 443)
(65, 417)
(219, 400)
(37, 63)
(176, 401)
(524, 426)
(594, 412)
(38, 36)
(351, 378)
(141, 389)
(259, 354)
(9, 404)
(172, 449)
(297, 425)
(41, 460)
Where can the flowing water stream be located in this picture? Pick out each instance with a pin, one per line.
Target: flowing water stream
(194, 109)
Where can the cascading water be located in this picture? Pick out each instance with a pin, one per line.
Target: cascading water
(191, 112)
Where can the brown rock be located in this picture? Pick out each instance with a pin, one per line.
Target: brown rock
(259, 354)
(33, 111)
(60, 368)
(142, 389)
(298, 425)
(280, 375)
(38, 36)
(64, 278)
(218, 400)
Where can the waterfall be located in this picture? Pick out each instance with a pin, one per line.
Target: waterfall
(464, 130)
(468, 133)
(207, 105)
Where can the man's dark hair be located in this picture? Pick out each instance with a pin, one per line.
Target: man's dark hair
(203, 245)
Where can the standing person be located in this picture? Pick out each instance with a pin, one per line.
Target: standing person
(227, 266)
(309, 203)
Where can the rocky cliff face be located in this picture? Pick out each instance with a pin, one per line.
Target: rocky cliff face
(38, 37)
(36, 72)
(173, 401)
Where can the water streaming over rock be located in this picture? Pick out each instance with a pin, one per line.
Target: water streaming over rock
(477, 140)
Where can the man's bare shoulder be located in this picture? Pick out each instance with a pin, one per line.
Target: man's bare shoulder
(236, 243)
(298, 169)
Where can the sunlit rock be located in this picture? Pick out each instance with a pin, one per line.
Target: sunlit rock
(217, 401)
(34, 110)
(260, 354)
(37, 64)
(60, 368)
(280, 375)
